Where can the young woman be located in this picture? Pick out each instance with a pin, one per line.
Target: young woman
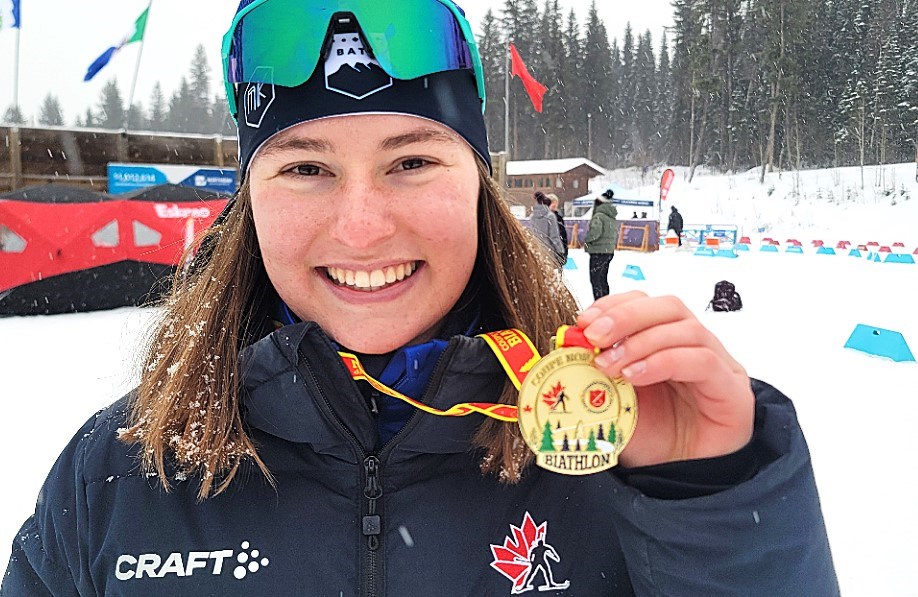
(256, 458)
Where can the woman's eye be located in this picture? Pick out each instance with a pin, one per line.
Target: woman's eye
(306, 170)
(414, 164)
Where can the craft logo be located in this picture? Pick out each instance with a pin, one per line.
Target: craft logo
(526, 559)
(152, 565)
(350, 68)
(258, 97)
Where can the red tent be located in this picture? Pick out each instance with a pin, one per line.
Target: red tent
(65, 249)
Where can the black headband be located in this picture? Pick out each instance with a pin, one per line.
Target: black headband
(359, 86)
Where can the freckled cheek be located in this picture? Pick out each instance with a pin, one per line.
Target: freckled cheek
(284, 237)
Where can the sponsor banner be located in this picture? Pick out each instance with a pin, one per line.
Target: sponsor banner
(699, 233)
(588, 201)
(124, 178)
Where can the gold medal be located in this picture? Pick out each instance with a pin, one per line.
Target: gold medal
(572, 416)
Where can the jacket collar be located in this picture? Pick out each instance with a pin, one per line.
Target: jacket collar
(297, 389)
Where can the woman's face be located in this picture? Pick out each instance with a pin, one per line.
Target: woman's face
(368, 225)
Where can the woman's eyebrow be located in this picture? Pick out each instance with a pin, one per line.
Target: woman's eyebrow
(281, 145)
(417, 136)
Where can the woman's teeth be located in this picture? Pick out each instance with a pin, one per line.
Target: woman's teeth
(376, 279)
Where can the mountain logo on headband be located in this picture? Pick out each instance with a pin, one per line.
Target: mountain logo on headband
(350, 68)
(257, 98)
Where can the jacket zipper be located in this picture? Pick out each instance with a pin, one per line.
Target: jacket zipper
(371, 521)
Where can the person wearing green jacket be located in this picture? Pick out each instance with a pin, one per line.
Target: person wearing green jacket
(600, 242)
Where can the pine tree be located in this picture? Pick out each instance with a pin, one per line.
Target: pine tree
(520, 21)
(111, 107)
(645, 96)
(199, 102)
(221, 121)
(13, 115)
(493, 49)
(548, 441)
(181, 109)
(601, 89)
(158, 114)
(663, 106)
(591, 442)
(551, 55)
(137, 119)
(50, 112)
(573, 131)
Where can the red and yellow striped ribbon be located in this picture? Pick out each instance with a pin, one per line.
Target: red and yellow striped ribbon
(513, 349)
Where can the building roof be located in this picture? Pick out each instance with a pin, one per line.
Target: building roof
(536, 167)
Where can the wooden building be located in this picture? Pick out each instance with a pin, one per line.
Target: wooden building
(567, 178)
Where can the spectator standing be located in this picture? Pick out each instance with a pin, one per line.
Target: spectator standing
(600, 242)
(544, 225)
(562, 229)
(675, 223)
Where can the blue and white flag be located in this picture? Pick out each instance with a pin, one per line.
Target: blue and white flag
(136, 34)
(9, 14)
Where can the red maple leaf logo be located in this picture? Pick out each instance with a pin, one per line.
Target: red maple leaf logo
(552, 397)
(597, 398)
(512, 558)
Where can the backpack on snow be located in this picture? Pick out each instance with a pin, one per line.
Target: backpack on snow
(726, 298)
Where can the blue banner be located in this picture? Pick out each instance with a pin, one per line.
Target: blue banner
(124, 178)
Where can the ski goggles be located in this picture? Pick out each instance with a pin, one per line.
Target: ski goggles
(282, 41)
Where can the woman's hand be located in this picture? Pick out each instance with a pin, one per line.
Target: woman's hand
(694, 399)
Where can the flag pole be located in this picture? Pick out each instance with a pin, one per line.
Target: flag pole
(130, 106)
(507, 101)
(16, 73)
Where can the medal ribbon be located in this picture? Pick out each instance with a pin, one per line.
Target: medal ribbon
(513, 349)
(569, 335)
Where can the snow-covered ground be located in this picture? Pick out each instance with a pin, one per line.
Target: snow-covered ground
(858, 411)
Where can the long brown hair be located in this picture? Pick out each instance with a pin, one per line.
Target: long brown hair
(187, 408)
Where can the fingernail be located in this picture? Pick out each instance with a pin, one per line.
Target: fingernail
(590, 314)
(634, 369)
(605, 359)
(600, 327)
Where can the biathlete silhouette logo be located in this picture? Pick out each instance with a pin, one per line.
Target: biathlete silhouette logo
(351, 70)
(526, 559)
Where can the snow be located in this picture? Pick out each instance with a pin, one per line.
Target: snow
(559, 166)
(858, 411)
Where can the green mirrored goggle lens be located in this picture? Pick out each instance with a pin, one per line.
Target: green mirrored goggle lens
(281, 41)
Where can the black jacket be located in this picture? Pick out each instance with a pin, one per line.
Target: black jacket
(417, 518)
(562, 230)
(675, 222)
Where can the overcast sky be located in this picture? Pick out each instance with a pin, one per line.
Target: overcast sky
(61, 38)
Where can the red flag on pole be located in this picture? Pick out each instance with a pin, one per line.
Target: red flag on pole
(535, 89)
(665, 183)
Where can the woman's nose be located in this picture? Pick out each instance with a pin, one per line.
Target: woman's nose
(363, 215)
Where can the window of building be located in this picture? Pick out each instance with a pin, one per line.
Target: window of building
(559, 182)
(10, 242)
(528, 182)
(576, 183)
(144, 236)
(107, 236)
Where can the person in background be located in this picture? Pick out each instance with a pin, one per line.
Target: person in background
(600, 241)
(675, 223)
(562, 229)
(544, 226)
(295, 428)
